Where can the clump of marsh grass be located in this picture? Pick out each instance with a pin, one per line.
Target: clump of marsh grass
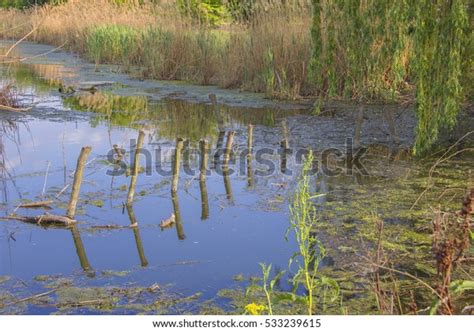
(113, 44)
(9, 97)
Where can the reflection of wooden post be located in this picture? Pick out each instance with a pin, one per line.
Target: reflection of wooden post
(76, 186)
(249, 156)
(176, 164)
(358, 127)
(177, 215)
(204, 145)
(227, 183)
(136, 167)
(81, 252)
(219, 144)
(391, 126)
(138, 238)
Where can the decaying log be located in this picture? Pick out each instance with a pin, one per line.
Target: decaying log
(45, 219)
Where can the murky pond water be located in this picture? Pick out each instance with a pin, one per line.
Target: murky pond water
(226, 225)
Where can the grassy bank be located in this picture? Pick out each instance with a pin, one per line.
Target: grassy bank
(268, 54)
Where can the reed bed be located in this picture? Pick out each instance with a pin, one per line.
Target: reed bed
(268, 54)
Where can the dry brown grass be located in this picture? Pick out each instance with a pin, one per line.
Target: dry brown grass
(270, 54)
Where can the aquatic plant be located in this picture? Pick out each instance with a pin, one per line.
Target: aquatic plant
(269, 285)
(303, 221)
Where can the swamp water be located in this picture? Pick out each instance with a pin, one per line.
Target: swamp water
(226, 225)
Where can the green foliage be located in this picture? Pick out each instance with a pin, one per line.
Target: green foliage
(385, 46)
(209, 12)
(441, 56)
(303, 222)
(112, 44)
(21, 4)
(269, 285)
(241, 10)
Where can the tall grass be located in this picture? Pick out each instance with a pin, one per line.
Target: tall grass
(168, 45)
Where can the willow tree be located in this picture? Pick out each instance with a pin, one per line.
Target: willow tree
(441, 55)
(372, 50)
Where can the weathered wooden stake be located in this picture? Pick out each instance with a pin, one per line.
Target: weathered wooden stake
(228, 146)
(76, 186)
(285, 144)
(136, 166)
(177, 164)
(204, 145)
(249, 156)
(250, 138)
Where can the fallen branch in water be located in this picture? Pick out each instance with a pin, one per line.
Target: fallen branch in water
(37, 204)
(36, 296)
(18, 110)
(45, 219)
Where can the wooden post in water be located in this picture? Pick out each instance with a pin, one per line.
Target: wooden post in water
(138, 238)
(177, 164)
(204, 146)
(136, 166)
(225, 167)
(81, 252)
(228, 146)
(286, 136)
(249, 155)
(76, 185)
(285, 146)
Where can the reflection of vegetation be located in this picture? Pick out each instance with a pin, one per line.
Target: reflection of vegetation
(39, 76)
(117, 109)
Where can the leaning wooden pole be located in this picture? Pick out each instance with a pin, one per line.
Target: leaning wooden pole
(76, 186)
(177, 164)
(136, 167)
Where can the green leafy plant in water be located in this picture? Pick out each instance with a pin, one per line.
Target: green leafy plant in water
(269, 285)
(311, 252)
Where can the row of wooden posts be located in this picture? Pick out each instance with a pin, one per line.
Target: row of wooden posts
(69, 219)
